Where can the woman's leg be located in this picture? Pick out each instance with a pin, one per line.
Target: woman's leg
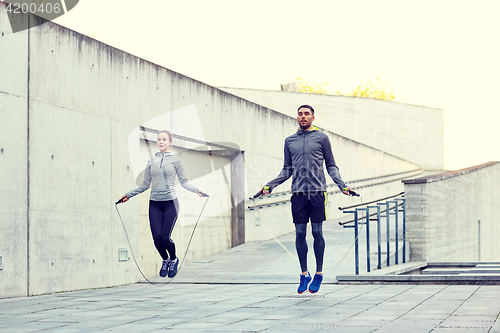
(301, 244)
(319, 245)
(156, 210)
(169, 218)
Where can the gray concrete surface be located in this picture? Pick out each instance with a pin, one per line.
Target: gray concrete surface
(252, 288)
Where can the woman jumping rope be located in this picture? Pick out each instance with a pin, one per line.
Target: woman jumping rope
(163, 203)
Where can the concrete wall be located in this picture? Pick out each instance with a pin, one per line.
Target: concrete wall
(412, 132)
(67, 105)
(443, 213)
(13, 158)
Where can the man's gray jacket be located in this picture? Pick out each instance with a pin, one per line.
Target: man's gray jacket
(305, 152)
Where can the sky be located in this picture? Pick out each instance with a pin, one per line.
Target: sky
(441, 53)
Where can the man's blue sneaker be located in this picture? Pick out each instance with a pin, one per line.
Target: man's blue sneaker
(164, 268)
(172, 267)
(304, 282)
(314, 287)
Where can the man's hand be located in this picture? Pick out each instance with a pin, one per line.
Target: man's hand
(265, 190)
(347, 191)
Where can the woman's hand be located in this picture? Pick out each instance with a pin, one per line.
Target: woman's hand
(201, 194)
(124, 198)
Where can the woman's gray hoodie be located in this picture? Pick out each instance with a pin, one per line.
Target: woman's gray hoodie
(160, 175)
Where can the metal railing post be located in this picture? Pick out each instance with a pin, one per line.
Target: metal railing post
(368, 239)
(396, 250)
(387, 214)
(388, 237)
(404, 228)
(379, 239)
(356, 249)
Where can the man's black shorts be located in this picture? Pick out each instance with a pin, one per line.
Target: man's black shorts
(311, 205)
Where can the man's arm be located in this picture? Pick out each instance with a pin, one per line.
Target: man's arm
(331, 167)
(285, 173)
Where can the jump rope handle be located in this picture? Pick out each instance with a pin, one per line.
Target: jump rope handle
(205, 195)
(351, 192)
(258, 194)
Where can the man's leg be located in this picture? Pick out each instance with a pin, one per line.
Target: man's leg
(317, 211)
(317, 206)
(300, 215)
(301, 245)
(319, 245)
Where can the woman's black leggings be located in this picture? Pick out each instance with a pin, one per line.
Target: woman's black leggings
(301, 244)
(162, 217)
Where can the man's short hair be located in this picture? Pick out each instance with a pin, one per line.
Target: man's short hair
(307, 107)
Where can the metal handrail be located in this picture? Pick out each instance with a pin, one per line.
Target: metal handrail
(369, 202)
(351, 221)
(397, 203)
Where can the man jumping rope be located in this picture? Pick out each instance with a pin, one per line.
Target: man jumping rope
(305, 152)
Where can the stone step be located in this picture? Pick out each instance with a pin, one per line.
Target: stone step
(488, 266)
(457, 271)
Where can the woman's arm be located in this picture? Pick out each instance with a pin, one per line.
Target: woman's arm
(145, 184)
(179, 170)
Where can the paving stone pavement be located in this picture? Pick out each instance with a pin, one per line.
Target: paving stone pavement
(252, 288)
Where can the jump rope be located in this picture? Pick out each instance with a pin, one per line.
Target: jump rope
(187, 248)
(351, 192)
